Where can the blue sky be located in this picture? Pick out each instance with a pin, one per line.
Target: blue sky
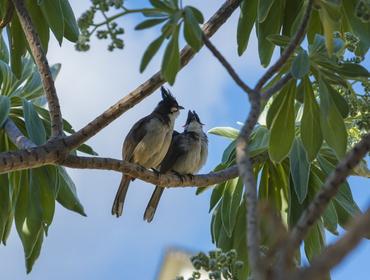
(102, 246)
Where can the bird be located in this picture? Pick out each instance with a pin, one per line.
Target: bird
(147, 142)
(187, 154)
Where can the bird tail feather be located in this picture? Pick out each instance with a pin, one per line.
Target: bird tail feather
(153, 204)
(119, 200)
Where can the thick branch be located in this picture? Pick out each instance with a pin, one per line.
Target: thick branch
(43, 67)
(16, 136)
(298, 37)
(323, 197)
(150, 85)
(335, 253)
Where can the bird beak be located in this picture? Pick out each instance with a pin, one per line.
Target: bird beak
(180, 107)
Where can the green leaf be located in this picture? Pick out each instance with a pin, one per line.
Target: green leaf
(30, 261)
(315, 241)
(197, 14)
(216, 195)
(4, 52)
(162, 6)
(5, 205)
(150, 52)
(230, 203)
(310, 123)
(300, 65)
(71, 31)
(248, 14)
(149, 23)
(299, 169)
(271, 25)
(279, 40)
(339, 101)
(171, 58)
(40, 24)
(332, 124)
(264, 7)
(283, 127)
(228, 132)
(17, 45)
(274, 107)
(4, 109)
(330, 218)
(53, 13)
(35, 128)
(87, 150)
(258, 142)
(353, 71)
(330, 19)
(192, 31)
(67, 195)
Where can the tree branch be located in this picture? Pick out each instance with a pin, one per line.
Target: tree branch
(323, 197)
(16, 136)
(298, 37)
(43, 67)
(266, 95)
(335, 253)
(227, 65)
(148, 87)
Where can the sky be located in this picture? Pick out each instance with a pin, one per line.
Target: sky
(102, 246)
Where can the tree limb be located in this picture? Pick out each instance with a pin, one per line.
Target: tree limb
(16, 136)
(323, 197)
(288, 50)
(43, 67)
(335, 253)
(266, 95)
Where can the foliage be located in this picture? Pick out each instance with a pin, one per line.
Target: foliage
(28, 197)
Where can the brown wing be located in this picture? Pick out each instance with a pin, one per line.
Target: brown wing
(134, 136)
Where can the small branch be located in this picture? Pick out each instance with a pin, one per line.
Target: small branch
(227, 65)
(323, 197)
(335, 253)
(16, 136)
(266, 95)
(148, 87)
(43, 67)
(298, 37)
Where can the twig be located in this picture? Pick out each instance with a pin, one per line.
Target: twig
(227, 65)
(323, 197)
(148, 87)
(276, 87)
(43, 67)
(289, 49)
(335, 253)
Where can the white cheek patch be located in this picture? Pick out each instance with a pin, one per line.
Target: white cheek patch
(174, 109)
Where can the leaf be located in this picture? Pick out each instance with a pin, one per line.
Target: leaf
(35, 128)
(339, 101)
(258, 142)
(197, 14)
(228, 132)
(53, 13)
(67, 195)
(279, 40)
(230, 203)
(17, 45)
(192, 31)
(264, 7)
(171, 58)
(353, 71)
(71, 31)
(332, 124)
(229, 154)
(315, 241)
(149, 23)
(35, 252)
(271, 25)
(299, 169)
(87, 150)
(162, 6)
(283, 127)
(4, 52)
(300, 65)
(274, 107)
(5, 205)
(216, 195)
(330, 19)
(310, 123)
(40, 24)
(4, 109)
(330, 218)
(248, 14)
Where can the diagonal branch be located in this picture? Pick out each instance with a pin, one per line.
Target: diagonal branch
(16, 136)
(148, 87)
(335, 253)
(43, 67)
(323, 197)
(298, 37)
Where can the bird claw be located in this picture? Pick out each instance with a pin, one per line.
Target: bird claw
(181, 177)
